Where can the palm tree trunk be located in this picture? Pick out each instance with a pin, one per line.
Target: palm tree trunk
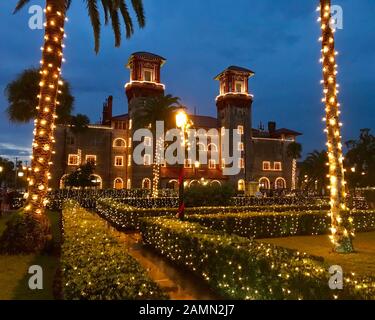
(341, 237)
(294, 172)
(45, 121)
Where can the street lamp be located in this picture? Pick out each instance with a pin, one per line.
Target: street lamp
(181, 123)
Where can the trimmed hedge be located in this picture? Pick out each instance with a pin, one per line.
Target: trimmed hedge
(95, 266)
(273, 225)
(125, 217)
(239, 268)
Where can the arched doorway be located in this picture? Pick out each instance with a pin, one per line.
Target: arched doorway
(241, 185)
(280, 183)
(118, 184)
(173, 185)
(146, 184)
(264, 183)
(97, 180)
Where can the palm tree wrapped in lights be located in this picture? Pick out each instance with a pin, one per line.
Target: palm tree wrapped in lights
(342, 232)
(50, 84)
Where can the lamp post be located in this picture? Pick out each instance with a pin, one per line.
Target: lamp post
(181, 123)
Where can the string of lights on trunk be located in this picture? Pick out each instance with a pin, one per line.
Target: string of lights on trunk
(50, 84)
(341, 231)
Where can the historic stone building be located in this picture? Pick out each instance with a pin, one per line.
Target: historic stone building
(264, 160)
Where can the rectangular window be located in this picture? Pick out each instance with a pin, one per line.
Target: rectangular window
(91, 158)
(130, 142)
(70, 140)
(212, 164)
(73, 160)
(129, 160)
(147, 160)
(239, 87)
(148, 75)
(241, 146)
(188, 164)
(266, 166)
(223, 165)
(240, 130)
(241, 163)
(119, 161)
(277, 166)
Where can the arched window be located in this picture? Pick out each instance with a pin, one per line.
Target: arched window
(173, 184)
(119, 143)
(97, 180)
(241, 185)
(216, 183)
(129, 184)
(193, 183)
(280, 183)
(212, 147)
(118, 184)
(264, 183)
(62, 181)
(146, 183)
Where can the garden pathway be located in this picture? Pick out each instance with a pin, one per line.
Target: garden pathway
(177, 283)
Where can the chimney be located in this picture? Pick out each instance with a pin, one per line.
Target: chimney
(271, 127)
(107, 111)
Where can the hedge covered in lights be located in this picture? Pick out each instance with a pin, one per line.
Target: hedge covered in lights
(94, 266)
(125, 217)
(240, 268)
(276, 224)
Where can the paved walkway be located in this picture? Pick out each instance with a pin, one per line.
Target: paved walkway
(178, 284)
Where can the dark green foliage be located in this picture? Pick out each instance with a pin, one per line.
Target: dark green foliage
(79, 123)
(82, 177)
(95, 265)
(239, 268)
(113, 10)
(274, 225)
(23, 234)
(22, 98)
(361, 157)
(208, 196)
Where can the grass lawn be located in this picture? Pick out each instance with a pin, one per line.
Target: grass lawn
(361, 262)
(14, 275)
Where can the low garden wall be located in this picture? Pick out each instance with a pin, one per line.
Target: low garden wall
(95, 266)
(239, 268)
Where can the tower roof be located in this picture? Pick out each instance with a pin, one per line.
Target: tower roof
(236, 69)
(147, 56)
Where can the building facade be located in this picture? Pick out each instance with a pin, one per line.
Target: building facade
(264, 159)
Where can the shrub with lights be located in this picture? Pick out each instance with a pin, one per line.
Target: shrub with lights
(281, 224)
(239, 268)
(95, 266)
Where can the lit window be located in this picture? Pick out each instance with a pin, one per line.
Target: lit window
(91, 159)
(119, 143)
(148, 75)
(212, 164)
(188, 163)
(148, 141)
(277, 166)
(147, 160)
(241, 146)
(130, 142)
(119, 161)
(118, 184)
(129, 160)
(223, 131)
(130, 124)
(241, 185)
(73, 160)
(129, 184)
(241, 163)
(264, 183)
(266, 166)
(223, 165)
(146, 184)
(240, 130)
(239, 88)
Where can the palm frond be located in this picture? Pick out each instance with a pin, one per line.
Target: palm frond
(94, 15)
(116, 26)
(140, 12)
(127, 19)
(20, 5)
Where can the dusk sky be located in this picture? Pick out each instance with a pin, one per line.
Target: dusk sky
(278, 39)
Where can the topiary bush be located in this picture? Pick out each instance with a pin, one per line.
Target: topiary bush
(23, 235)
(206, 196)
